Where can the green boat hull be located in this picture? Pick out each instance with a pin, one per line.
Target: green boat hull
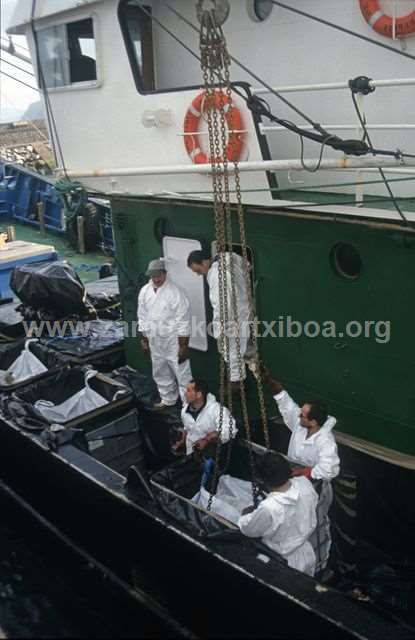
(364, 379)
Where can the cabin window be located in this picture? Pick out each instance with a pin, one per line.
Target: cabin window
(346, 261)
(136, 24)
(67, 54)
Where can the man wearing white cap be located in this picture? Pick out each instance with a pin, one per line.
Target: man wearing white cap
(164, 325)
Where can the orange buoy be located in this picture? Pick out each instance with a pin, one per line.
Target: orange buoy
(383, 24)
(199, 106)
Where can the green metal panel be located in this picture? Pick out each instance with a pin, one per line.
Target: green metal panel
(365, 380)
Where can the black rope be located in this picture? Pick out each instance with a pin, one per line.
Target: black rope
(17, 80)
(349, 147)
(343, 29)
(289, 104)
(260, 108)
(16, 66)
(366, 136)
(162, 26)
(318, 165)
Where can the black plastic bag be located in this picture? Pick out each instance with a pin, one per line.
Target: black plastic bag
(143, 386)
(104, 296)
(53, 287)
(11, 322)
(88, 338)
(19, 406)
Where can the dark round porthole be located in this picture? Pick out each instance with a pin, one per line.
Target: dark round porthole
(259, 10)
(346, 261)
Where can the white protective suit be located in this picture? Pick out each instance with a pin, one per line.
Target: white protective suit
(163, 317)
(242, 308)
(320, 453)
(284, 522)
(206, 422)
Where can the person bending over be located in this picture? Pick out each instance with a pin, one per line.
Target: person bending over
(286, 518)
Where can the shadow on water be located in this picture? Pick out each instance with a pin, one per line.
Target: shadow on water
(47, 591)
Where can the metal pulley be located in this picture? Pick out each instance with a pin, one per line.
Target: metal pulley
(218, 10)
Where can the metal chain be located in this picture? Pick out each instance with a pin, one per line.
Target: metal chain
(222, 215)
(215, 62)
(208, 51)
(253, 317)
(227, 240)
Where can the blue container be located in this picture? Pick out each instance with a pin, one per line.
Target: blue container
(21, 190)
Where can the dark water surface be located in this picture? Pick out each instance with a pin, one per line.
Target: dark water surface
(43, 594)
(35, 599)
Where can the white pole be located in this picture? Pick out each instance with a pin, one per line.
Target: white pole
(359, 190)
(386, 170)
(264, 165)
(330, 86)
(339, 127)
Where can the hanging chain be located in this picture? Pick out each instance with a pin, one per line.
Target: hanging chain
(209, 50)
(215, 62)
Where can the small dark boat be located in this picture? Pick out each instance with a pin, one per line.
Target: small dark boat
(93, 483)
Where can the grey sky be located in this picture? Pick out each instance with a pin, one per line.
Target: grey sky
(15, 98)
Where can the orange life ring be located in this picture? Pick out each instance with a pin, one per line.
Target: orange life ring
(192, 118)
(383, 24)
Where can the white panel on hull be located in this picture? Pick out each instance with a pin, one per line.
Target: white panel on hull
(175, 251)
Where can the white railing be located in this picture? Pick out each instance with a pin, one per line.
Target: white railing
(332, 86)
(9, 48)
(336, 86)
(339, 127)
(343, 163)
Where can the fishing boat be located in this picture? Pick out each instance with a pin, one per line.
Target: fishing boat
(318, 151)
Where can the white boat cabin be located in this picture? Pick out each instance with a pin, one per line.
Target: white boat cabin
(120, 75)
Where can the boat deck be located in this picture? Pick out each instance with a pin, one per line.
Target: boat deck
(86, 265)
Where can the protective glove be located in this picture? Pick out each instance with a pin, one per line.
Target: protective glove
(145, 346)
(183, 349)
(183, 354)
(302, 471)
